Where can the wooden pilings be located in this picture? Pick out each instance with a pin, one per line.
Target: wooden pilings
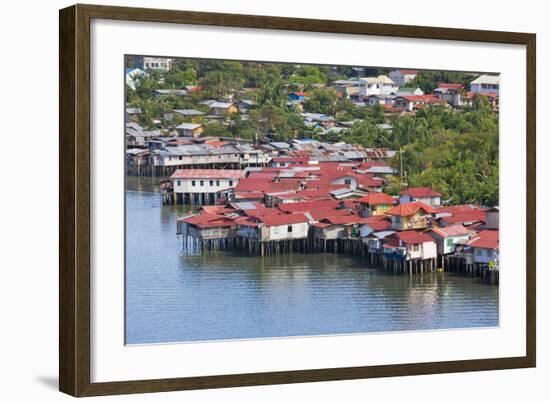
(349, 246)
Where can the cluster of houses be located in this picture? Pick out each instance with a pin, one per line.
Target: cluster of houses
(335, 207)
(391, 92)
(160, 156)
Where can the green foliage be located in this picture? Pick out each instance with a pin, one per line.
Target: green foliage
(429, 80)
(455, 153)
(308, 75)
(321, 101)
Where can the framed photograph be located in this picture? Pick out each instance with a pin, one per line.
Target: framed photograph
(250, 200)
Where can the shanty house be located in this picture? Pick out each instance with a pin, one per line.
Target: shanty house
(375, 203)
(410, 216)
(485, 247)
(339, 226)
(223, 108)
(276, 227)
(448, 237)
(190, 129)
(421, 194)
(408, 245)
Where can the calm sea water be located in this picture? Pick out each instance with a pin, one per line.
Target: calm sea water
(173, 295)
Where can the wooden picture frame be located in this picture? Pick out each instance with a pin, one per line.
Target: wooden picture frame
(75, 207)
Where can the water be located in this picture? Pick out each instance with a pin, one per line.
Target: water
(173, 296)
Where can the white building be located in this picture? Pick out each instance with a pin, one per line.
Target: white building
(402, 77)
(486, 84)
(203, 186)
(447, 237)
(380, 85)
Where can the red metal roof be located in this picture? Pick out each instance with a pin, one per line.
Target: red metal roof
(379, 225)
(420, 192)
(451, 231)
(487, 239)
(377, 198)
(465, 217)
(413, 237)
(308, 205)
(320, 214)
(207, 173)
(283, 219)
(451, 86)
(408, 209)
(345, 220)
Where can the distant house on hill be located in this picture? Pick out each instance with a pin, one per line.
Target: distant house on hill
(297, 96)
(486, 84)
(153, 63)
(189, 129)
(420, 194)
(451, 93)
(223, 108)
(380, 85)
(402, 77)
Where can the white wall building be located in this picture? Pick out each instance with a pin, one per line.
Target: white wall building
(402, 77)
(380, 85)
(486, 84)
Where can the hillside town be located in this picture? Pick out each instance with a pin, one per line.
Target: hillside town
(399, 168)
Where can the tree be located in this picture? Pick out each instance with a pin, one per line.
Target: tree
(321, 101)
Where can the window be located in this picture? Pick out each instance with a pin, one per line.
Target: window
(450, 242)
(193, 183)
(211, 183)
(202, 183)
(180, 157)
(488, 252)
(415, 247)
(217, 183)
(347, 181)
(289, 229)
(230, 183)
(179, 183)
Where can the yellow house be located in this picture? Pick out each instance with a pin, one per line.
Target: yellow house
(223, 108)
(410, 216)
(375, 203)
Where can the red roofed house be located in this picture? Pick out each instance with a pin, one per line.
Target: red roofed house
(421, 194)
(468, 218)
(412, 102)
(203, 186)
(410, 245)
(485, 247)
(375, 203)
(338, 227)
(410, 216)
(283, 227)
(447, 237)
(375, 224)
(206, 226)
(451, 93)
